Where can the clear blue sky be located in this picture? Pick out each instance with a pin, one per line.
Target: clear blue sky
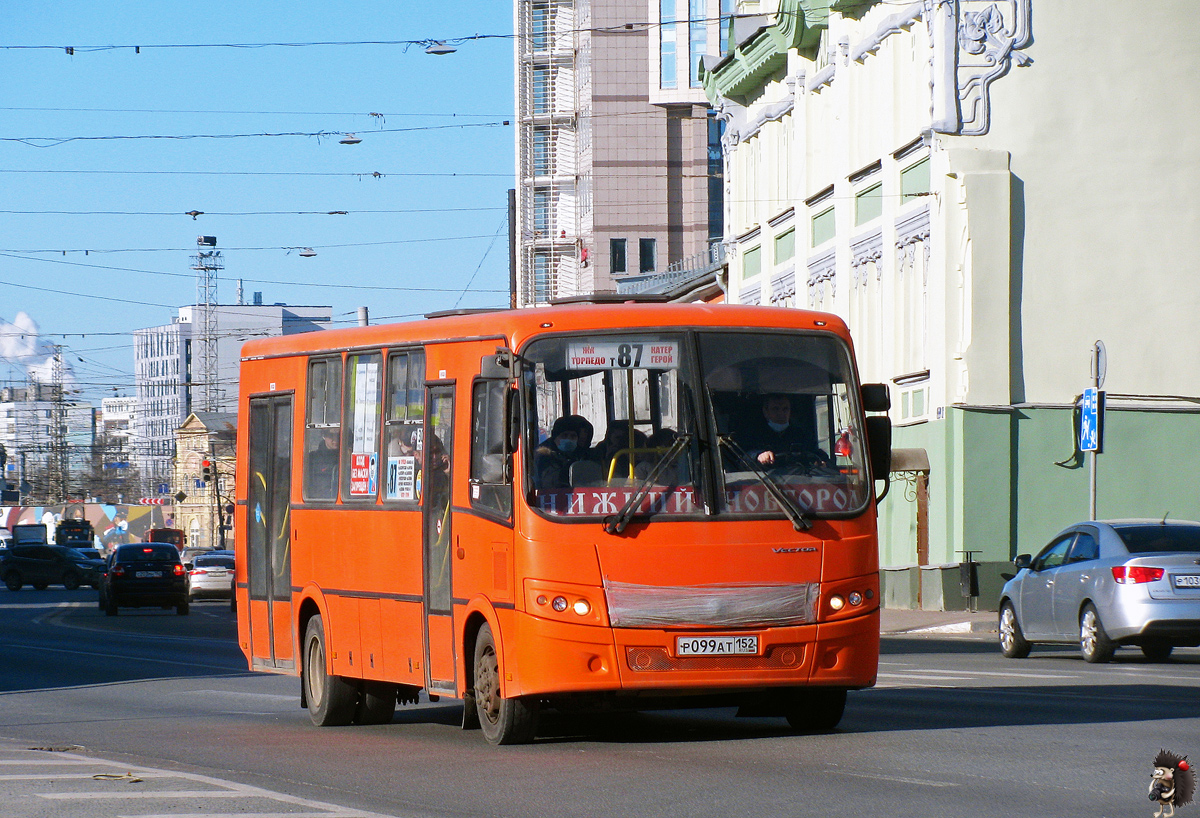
(430, 233)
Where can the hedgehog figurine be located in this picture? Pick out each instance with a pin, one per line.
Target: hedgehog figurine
(1172, 784)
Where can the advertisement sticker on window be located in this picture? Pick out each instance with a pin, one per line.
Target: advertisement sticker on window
(364, 468)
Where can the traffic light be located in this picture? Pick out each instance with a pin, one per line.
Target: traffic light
(206, 473)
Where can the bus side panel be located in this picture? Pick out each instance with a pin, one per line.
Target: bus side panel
(403, 647)
(370, 639)
(483, 559)
(441, 653)
(342, 628)
(256, 619)
(281, 621)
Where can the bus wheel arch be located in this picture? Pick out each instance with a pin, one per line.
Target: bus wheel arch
(332, 699)
(475, 620)
(308, 609)
(503, 719)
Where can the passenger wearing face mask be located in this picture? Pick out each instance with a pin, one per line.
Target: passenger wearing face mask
(775, 440)
(570, 437)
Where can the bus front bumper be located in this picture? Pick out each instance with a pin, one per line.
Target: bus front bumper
(549, 657)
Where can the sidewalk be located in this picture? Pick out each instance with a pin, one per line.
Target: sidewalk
(902, 620)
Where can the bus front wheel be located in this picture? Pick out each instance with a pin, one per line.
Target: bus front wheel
(816, 709)
(331, 699)
(502, 720)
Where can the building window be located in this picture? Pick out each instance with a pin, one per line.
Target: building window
(868, 204)
(541, 211)
(823, 227)
(785, 246)
(539, 37)
(752, 262)
(697, 38)
(666, 50)
(727, 11)
(716, 179)
(616, 256)
(914, 181)
(647, 255)
(543, 155)
(541, 90)
(541, 278)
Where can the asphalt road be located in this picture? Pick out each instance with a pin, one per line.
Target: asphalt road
(952, 729)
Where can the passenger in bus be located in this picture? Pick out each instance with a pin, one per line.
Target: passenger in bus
(615, 444)
(321, 464)
(774, 441)
(570, 437)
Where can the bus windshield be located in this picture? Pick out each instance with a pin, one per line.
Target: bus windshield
(622, 423)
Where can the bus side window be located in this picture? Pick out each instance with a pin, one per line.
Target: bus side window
(491, 481)
(361, 414)
(404, 420)
(322, 430)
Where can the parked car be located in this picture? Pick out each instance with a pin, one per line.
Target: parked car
(1105, 584)
(210, 575)
(44, 565)
(144, 574)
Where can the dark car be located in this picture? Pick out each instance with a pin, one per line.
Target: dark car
(44, 565)
(144, 574)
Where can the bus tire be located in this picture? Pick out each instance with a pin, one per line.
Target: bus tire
(816, 709)
(376, 704)
(332, 700)
(502, 720)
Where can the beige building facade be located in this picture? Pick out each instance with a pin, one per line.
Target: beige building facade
(983, 189)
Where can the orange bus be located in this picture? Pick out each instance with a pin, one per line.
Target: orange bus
(581, 506)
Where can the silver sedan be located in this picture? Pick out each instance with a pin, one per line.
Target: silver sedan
(1104, 584)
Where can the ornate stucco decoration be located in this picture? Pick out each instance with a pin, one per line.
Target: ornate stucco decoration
(975, 43)
(912, 231)
(783, 286)
(864, 251)
(822, 269)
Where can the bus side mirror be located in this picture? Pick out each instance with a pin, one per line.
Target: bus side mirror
(497, 365)
(879, 445)
(875, 397)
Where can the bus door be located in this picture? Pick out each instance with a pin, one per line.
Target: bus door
(436, 517)
(268, 552)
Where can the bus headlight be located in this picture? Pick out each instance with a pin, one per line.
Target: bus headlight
(837, 602)
(581, 607)
(559, 604)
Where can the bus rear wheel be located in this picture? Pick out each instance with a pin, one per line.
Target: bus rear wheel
(332, 700)
(816, 709)
(502, 720)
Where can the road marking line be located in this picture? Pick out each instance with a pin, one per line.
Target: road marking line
(65, 796)
(332, 814)
(88, 776)
(921, 781)
(999, 673)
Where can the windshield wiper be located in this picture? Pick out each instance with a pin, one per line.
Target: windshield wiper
(616, 523)
(798, 516)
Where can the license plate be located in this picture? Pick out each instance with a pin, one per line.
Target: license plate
(1187, 580)
(147, 574)
(716, 645)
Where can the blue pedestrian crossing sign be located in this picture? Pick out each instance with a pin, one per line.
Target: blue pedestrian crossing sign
(1091, 413)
